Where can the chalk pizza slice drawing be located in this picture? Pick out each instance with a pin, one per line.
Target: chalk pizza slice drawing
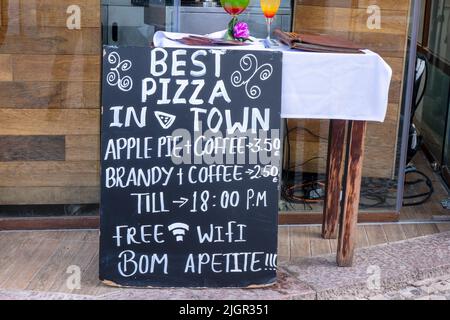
(166, 120)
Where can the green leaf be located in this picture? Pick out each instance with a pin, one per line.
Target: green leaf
(230, 33)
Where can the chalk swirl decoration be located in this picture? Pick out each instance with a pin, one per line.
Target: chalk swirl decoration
(251, 69)
(114, 77)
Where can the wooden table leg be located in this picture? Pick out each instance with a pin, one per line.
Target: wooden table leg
(352, 187)
(331, 208)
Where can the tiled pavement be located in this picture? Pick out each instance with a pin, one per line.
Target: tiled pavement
(409, 269)
(437, 288)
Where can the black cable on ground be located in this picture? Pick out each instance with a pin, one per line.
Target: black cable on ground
(425, 195)
(376, 191)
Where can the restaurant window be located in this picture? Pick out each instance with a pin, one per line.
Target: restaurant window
(384, 28)
(50, 96)
(432, 116)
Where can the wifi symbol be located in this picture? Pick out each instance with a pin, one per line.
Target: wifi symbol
(178, 230)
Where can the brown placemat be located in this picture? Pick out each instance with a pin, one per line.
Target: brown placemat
(193, 40)
(317, 42)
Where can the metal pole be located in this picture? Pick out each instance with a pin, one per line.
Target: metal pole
(176, 16)
(407, 101)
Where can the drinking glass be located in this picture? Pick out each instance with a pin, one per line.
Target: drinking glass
(234, 7)
(269, 8)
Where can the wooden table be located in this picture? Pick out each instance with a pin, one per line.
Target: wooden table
(375, 92)
(343, 211)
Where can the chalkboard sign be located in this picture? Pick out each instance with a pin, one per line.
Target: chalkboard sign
(190, 152)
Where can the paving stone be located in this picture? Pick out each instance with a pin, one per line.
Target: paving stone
(330, 281)
(410, 292)
(287, 288)
(441, 286)
(429, 281)
(429, 255)
(37, 295)
(432, 297)
(379, 297)
(430, 289)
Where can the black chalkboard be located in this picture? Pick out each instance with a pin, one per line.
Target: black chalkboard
(190, 152)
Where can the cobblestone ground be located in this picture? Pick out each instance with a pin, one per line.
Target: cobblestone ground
(429, 289)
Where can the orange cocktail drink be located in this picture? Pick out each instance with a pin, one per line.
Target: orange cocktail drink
(270, 7)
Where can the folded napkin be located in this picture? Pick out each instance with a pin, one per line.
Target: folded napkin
(317, 42)
(173, 39)
(205, 41)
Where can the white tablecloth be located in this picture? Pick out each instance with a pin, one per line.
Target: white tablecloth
(324, 85)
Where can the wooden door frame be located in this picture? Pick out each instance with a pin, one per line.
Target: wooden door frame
(49, 223)
(93, 222)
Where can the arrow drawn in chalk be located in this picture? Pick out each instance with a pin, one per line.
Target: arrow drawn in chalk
(182, 201)
(249, 171)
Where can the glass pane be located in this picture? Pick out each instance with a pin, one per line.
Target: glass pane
(383, 28)
(214, 18)
(447, 140)
(440, 29)
(133, 23)
(434, 113)
(128, 22)
(432, 116)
